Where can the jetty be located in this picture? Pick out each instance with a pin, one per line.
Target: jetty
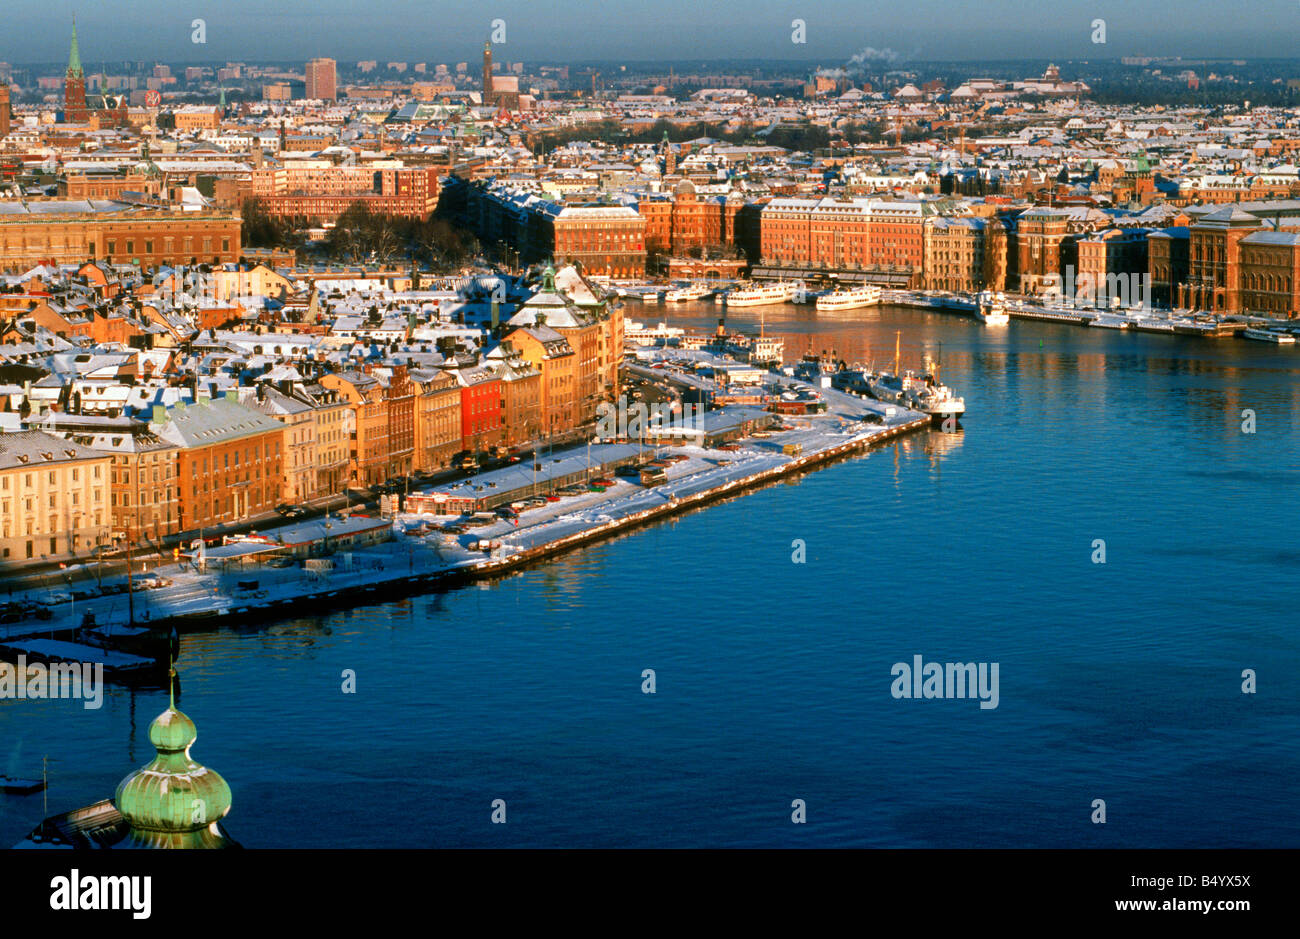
(488, 525)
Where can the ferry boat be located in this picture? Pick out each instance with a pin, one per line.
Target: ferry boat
(764, 295)
(852, 299)
(1260, 334)
(650, 336)
(689, 292)
(991, 309)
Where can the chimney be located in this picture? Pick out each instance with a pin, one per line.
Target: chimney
(159, 414)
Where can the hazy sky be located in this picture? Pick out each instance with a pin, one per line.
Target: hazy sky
(37, 30)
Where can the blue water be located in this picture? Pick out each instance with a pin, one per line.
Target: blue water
(1119, 682)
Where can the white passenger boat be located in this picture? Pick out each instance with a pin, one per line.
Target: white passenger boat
(1259, 334)
(852, 299)
(689, 292)
(763, 295)
(650, 335)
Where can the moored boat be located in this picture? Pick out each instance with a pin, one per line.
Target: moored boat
(852, 299)
(1259, 334)
(760, 295)
(991, 309)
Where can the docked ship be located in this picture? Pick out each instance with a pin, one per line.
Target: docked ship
(991, 309)
(765, 351)
(918, 391)
(763, 295)
(817, 370)
(689, 292)
(852, 299)
(1268, 335)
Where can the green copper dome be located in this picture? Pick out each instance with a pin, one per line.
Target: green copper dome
(174, 802)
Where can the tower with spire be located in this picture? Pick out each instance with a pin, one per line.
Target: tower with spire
(74, 84)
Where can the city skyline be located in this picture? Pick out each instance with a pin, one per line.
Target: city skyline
(834, 32)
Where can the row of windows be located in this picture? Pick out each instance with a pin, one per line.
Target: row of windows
(29, 478)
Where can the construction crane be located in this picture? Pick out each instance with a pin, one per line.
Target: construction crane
(595, 76)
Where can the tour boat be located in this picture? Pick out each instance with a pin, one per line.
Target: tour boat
(852, 299)
(761, 295)
(640, 335)
(689, 292)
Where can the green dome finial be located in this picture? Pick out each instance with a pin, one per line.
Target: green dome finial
(74, 58)
(174, 802)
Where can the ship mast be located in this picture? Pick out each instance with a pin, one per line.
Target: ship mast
(897, 335)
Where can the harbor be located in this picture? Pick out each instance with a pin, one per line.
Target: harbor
(485, 526)
(528, 682)
(728, 296)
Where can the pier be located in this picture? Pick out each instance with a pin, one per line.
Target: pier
(272, 576)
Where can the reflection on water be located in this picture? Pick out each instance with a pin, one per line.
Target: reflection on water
(1119, 681)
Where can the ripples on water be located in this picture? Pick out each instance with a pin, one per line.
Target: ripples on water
(1118, 681)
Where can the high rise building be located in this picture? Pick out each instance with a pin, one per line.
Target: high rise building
(322, 81)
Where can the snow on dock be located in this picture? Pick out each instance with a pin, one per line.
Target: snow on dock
(322, 563)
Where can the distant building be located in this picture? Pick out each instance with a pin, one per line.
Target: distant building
(71, 231)
(322, 80)
(99, 110)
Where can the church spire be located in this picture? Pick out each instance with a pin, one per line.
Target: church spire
(74, 58)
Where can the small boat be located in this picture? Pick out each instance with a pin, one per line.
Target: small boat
(1260, 334)
(20, 787)
(991, 309)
